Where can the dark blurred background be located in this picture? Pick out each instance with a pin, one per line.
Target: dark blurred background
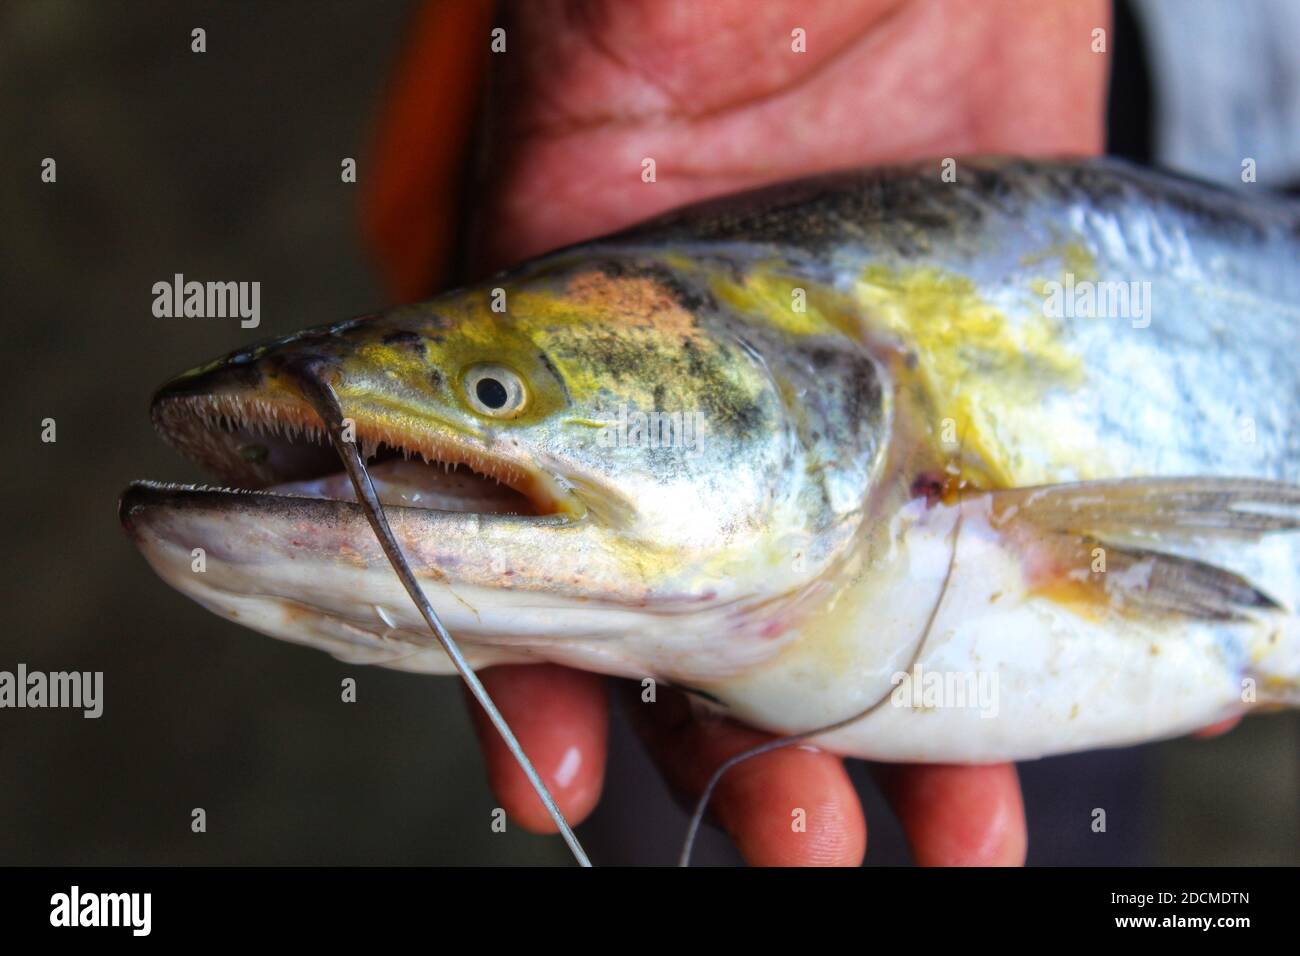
(227, 165)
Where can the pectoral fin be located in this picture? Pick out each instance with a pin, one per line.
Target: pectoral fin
(1150, 508)
(1091, 539)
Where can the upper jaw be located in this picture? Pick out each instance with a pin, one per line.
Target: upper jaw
(258, 436)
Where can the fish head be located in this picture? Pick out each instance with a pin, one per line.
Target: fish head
(580, 462)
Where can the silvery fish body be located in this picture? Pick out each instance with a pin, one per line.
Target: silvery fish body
(1004, 465)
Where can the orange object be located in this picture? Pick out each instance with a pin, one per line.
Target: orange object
(411, 207)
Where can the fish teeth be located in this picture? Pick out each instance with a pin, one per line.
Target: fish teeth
(258, 416)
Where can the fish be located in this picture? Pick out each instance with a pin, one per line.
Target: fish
(927, 468)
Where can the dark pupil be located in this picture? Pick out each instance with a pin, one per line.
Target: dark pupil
(491, 392)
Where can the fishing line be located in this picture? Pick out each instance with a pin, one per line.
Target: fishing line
(702, 805)
(323, 398)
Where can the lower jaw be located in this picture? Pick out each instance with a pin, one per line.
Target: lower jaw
(309, 571)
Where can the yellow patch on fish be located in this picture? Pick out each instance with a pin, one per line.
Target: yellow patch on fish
(982, 375)
(793, 305)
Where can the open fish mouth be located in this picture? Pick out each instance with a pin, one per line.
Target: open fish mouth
(277, 445)
(278, 541)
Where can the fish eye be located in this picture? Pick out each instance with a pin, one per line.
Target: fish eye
(495, 391)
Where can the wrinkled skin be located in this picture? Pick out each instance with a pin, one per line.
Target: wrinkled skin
(714, 95)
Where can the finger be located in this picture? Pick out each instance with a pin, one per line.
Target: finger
(958, 816)
(561, 718)
(791, 807)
